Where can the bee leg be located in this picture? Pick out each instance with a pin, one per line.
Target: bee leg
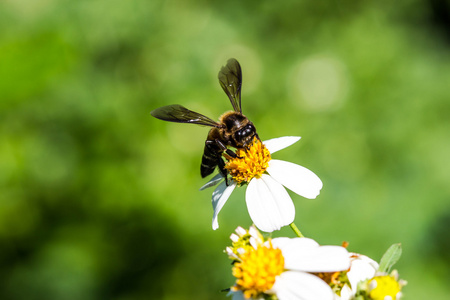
(222, 170)
(225, 149)
(231, 153)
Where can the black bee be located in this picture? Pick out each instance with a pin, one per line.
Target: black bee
(233, 129)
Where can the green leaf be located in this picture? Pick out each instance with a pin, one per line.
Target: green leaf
(389, 258)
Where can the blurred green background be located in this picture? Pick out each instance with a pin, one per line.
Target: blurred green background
(99, 200)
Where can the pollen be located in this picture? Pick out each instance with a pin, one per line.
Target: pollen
(250, 162)
(257, 269)
(384, 287)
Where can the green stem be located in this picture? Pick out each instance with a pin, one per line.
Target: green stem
(296, 230)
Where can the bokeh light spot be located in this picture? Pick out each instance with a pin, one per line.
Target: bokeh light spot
(319, 83)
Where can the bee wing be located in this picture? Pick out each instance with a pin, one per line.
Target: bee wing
(180, 114)
(230, 78)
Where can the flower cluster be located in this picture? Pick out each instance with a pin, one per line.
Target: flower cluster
(299, 268)
(291, 268)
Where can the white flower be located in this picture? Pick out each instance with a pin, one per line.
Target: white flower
(282, 267)
(268, 203)
(361, 269)
(385, 286)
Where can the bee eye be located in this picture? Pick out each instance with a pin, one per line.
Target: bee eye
(248, 130)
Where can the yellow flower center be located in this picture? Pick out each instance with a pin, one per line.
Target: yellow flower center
(250, 162)
(384, 286)
(257, 269)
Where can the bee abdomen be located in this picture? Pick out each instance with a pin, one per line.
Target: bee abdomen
(210, 160)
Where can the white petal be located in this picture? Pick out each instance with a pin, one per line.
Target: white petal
(253, 232)
(362, 268)
(346, 293)
(269, 204)
(293, 285)
(215, 180)
(288, 244)
(276, 144)
(219, 197)
(241, 231)
(234, 237)
(303, 254)
(298, 179)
